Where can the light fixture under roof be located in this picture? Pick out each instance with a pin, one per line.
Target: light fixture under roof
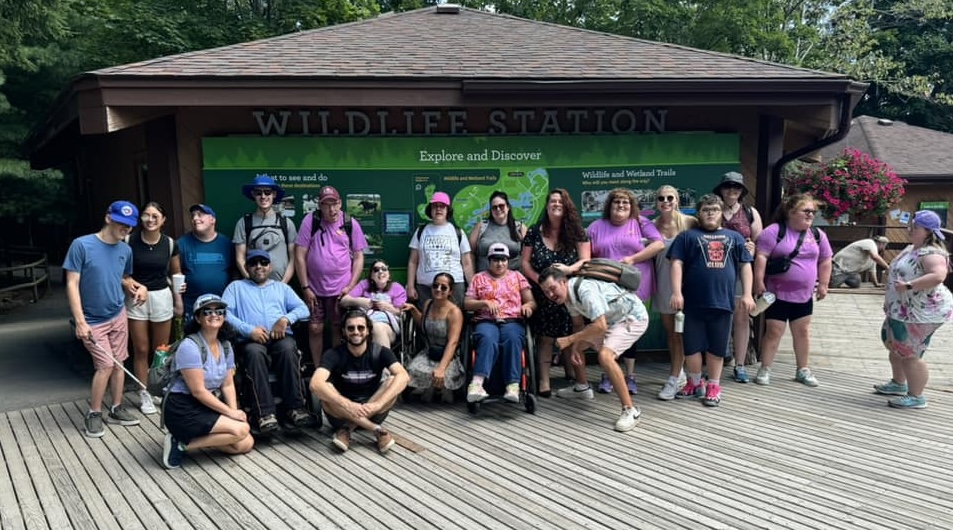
(448, 9)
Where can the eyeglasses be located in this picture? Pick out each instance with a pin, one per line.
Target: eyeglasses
(808, 212)
(356, 327)
(666, 198)
(262, 192)
(148, 217)
(621, 201)
(218, 311)
(380, 268)
(259, 263)
(498, 207)
(440, 287)
(710, 210)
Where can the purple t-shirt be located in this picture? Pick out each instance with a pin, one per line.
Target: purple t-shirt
(329, 253)
(616, 242)
(396, 295)
(797, 284)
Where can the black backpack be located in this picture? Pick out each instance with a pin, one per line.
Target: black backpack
(348, 227)
(282, 223)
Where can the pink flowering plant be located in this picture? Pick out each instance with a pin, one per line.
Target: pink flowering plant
(853, 183)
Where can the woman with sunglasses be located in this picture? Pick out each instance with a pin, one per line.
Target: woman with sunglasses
(202, 410)
(558, 240)
(498, 227)
(791, 234)
(155, 258)
(437, 366)
(624, 235)
(670, 222)
(382, 298)
(746, 221)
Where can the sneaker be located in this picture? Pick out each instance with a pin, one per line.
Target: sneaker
(682, 379)
(570, 392)
(630, 385)
(605, 386)
(385, 441)
(512, 393)
(446, 395)
(804, 375)
(668, 392)
(691, 391)
(342, 439)
(891, 388)
(712, 395)
(268, 424)
(171, 452)
(94, 425)
(119, 415)
(741, 374)
(764, 376)
(908, 402)
(475, 393)
(299, 418)
(146, 405)
(629, 418)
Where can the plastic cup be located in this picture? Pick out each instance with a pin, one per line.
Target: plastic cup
(679, 322)
(762, 303)
(177, 281)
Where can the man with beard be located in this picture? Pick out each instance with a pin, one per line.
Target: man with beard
(205, 255)
(706, 263)
(263, 310)
(349, 385)
(266, 229)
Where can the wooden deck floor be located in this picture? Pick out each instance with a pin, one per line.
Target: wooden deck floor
(783, 456)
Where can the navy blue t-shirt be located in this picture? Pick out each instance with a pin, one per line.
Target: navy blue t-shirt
(711, 262)
(207, 266)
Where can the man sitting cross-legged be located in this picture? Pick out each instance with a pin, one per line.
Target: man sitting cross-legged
(349, 384)
(263, 310)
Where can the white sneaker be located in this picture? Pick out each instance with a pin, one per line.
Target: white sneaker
(570, 392)
(146, 405)
(628, 419)
(682, 379)
(668, 391)
(764, 376)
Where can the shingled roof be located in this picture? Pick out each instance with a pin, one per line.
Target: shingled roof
(471, 44)
(913, 152)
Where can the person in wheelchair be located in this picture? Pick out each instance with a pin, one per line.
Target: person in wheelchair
(501, 299)
(437, 366)
(263, 310)
(382, 298)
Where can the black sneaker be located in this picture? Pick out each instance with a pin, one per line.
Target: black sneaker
(171, 454)
(94, 425)
(299, 418)
(268, 424)
(119, 415)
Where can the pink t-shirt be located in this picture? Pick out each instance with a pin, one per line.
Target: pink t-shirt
(616, 242)
(797, 284)
(506, 290)
(329, 253)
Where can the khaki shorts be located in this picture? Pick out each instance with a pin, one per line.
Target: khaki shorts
(157, 307)
(622, 335)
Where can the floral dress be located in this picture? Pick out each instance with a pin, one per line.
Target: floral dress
(913, 316)
(420, 370)
(550, 320)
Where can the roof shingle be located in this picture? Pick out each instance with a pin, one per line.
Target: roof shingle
(470, 45)
(910, 150)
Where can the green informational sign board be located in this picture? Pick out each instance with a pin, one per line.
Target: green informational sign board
(386, 181)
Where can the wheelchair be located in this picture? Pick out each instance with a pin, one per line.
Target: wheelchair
(494, 384)
(243, 394)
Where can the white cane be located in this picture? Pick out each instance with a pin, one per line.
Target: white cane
(116, 362)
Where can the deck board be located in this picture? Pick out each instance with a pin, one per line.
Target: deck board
(781, 456)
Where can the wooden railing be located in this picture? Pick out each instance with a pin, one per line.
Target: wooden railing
(28, 275)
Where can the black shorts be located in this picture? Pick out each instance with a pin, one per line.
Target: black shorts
(789, 311)
(187, 418)
(337, 423)
(707, 331)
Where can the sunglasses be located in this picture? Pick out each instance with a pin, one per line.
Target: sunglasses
(264, 192)
(356, 327)
(259, 263)
(666, 198)
(219, 312)
(498, 207)
(440, 287)
(380, 268)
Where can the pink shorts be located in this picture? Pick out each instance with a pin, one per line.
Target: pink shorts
(326, 308)
(622, 335)
(111, 340)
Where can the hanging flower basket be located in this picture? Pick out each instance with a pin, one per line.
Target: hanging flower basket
(854, 183)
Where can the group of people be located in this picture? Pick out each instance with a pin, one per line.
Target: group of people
(702, 274)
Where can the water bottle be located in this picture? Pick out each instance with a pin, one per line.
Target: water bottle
(679, 322)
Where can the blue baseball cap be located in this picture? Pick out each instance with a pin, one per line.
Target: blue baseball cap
(124, 212)
(204, 208)
(256, 254)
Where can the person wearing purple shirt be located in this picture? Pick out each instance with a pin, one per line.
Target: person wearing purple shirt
(382, 298)
(793, 288)
(328, 260)
(624, 235)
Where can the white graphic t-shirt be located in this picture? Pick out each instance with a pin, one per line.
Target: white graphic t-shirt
(440, 249)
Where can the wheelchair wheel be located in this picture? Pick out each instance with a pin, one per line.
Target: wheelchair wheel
(530, 403)
(473, 408)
